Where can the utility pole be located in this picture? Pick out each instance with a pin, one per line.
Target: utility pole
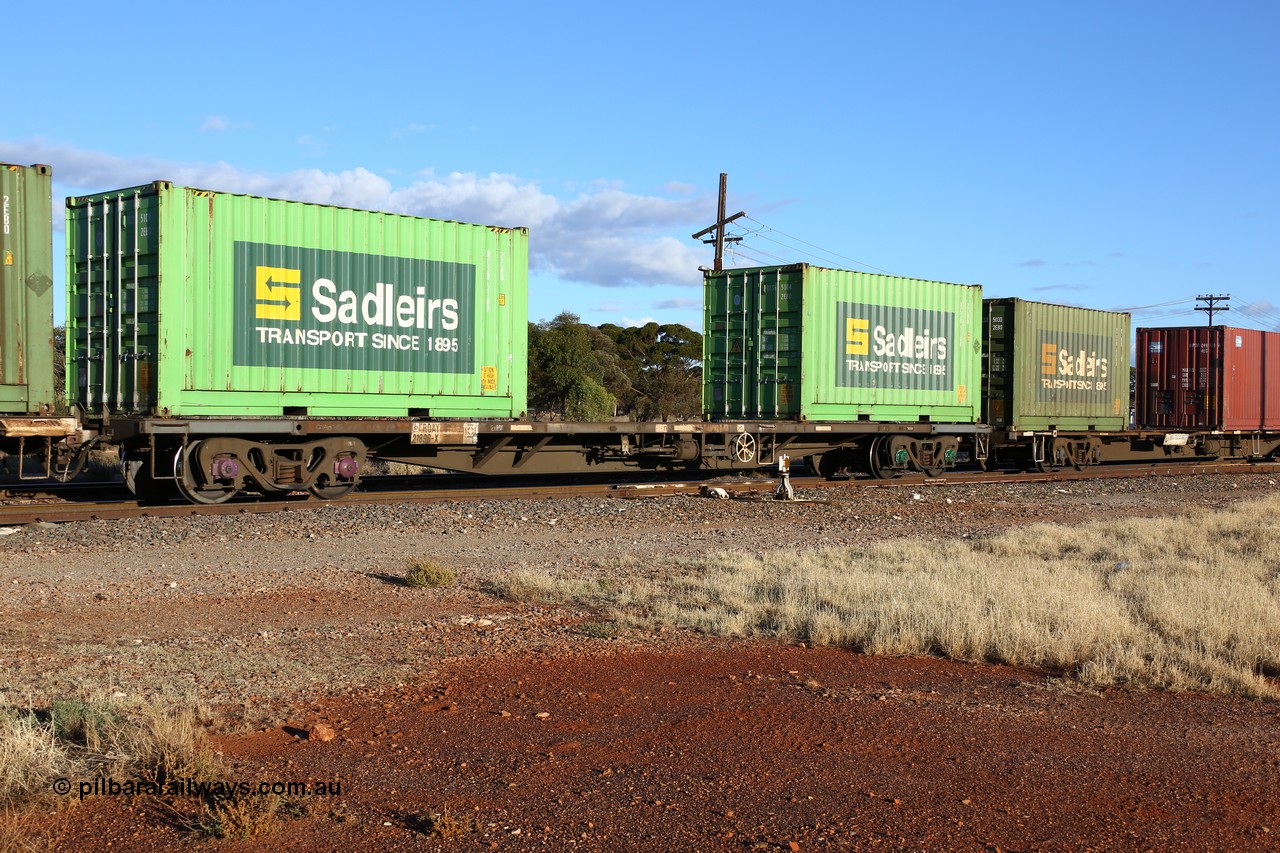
(719, 239)
(1212, 301)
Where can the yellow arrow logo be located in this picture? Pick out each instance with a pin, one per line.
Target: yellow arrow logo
(276, 300)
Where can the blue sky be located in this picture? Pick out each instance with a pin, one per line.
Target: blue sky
(1104, 154)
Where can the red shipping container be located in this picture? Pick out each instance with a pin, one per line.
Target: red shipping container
(1208, 377)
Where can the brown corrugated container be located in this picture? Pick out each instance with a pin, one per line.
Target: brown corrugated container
(1208, 377)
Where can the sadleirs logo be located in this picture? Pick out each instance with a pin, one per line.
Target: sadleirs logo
(317, 308)
(1075, 365)
(888, 346)
(278, 294)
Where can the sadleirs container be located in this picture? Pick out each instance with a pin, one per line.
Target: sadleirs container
(26, 290)
(1208, 377)
(185, 302)
(801, 342)
(1054, 367)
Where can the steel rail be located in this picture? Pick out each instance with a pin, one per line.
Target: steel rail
(125, 509)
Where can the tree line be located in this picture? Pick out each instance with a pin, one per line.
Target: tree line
(580, 372)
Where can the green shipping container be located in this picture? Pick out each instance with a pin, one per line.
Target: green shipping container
(806, 343)
(1054, 367)
(187, 303)
(26, 290)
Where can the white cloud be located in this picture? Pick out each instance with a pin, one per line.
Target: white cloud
(643, 321)
(1260, 306)
(603, 235)
(411, 130)
(221, 124)
(667, 304)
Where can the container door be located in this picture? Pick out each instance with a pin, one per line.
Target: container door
(733, 352)
(752, 344)
(998, 362)
(1181, 377)
(778, 320)
(112, 280)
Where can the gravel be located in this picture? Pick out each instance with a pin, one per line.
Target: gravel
(280, 605)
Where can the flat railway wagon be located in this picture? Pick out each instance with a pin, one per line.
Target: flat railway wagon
(1211, 390)
(32, 423)
(884, 370)
(1055, 382)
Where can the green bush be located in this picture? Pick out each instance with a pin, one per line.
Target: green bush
(587, 400)
(429, 575)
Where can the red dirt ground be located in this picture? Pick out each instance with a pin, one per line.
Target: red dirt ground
(717, 746)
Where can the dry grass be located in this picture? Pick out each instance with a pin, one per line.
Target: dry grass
(31, 757)
(1186, 602)
(79, 739)
(443, 824)
(428, 574)
(239, 818)
(18, 833)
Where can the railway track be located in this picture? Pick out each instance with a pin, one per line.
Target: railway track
(46, 506)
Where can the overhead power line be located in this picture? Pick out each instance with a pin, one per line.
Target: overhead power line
(1183, 300)
(825, 252)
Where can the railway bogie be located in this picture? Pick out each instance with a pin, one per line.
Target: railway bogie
(216, 468)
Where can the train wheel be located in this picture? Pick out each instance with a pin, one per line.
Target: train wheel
(877, 464)
(1042, 466)
(331, 493)
(186, 481)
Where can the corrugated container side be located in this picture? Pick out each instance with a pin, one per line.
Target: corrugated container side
(219, 304)
(1208, 377)
(809, 343)
(26, 290)
(1051, 366)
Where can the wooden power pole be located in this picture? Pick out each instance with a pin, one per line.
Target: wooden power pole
(720, 239)
(1212, 302)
